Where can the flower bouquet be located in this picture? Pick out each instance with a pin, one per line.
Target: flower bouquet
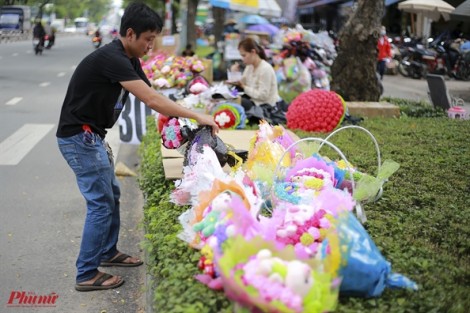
(262, 278)
(229, 115)
(169, 71)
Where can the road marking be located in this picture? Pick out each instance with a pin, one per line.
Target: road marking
(19, 144)
(14, 100)
(45, 84)
(61, 74)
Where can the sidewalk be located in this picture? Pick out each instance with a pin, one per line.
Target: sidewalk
(130, 297)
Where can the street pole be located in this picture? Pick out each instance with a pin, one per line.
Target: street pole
(184, 24)
(168, 17)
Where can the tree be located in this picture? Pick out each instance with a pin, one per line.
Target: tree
(159, 7)
(93, 9)
(354, 70)
(219, 19)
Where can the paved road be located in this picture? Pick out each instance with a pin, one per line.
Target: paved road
(42, 211)
(416, 89)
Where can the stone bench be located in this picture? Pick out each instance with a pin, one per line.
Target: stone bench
(373, 109)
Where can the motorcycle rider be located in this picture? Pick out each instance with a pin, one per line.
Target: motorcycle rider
(97, 38)
(39, 32)
(384, 52)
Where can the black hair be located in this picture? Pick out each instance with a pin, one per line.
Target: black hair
(249, 44)
(140, 18)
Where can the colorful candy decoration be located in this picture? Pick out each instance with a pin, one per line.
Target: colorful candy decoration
(316, 111)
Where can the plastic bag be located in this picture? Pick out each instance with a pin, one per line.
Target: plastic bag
(367, 273)
(297, 79)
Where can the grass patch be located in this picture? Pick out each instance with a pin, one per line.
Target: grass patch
(421, 224)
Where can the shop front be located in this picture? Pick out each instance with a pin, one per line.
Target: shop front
(320, 15)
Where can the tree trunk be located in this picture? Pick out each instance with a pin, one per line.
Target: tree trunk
(219, 19)
(354, 70)
(192, 11)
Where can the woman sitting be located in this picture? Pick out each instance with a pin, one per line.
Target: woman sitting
(258, 83)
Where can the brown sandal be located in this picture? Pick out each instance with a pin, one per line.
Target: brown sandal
(98, 284)
(119, 261)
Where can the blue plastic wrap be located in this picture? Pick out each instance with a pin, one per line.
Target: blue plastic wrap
(366, 272)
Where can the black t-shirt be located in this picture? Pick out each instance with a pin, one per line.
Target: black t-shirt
(94, 96)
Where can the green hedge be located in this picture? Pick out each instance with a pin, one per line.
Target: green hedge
(421, 224)
(415, 109)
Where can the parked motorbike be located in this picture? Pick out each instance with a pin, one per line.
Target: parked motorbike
(417, 61)
(442, 59)
(461, 68)
(457, 62)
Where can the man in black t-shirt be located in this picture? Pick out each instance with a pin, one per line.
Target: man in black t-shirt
(95, 96)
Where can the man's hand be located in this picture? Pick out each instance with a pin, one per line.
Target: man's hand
(204, 119)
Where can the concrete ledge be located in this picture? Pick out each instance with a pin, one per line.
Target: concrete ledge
(373, 109)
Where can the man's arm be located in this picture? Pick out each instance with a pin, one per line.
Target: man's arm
(165, 106)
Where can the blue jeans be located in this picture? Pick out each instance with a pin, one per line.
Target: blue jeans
(381, 65)
(86, 154)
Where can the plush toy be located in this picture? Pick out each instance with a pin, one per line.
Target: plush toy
(221, 202)
(316, 111)
(197, 88)
(213, 214)
(279, 280)
(298, 277)
(160, 83)
(197, 66)
(207, 225)
(196, 80)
